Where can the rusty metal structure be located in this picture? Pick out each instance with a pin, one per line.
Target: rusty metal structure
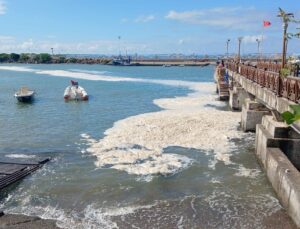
(267, 75)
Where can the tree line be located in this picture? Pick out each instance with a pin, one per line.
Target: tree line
(45, 58)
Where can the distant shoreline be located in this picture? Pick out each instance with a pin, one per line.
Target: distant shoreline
(45, 58)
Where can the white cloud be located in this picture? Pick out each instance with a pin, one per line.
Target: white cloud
(2, 7)
(252, 38)
(10, 44)
(145, 18)
(6, 39)
(233, 18)
(181, 42)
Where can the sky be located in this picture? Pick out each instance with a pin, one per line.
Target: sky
(143, 26)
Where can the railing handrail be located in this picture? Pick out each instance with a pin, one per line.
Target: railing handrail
(287, 87)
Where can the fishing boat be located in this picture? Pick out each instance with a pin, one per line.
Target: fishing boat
(75, 92)
(25, 95)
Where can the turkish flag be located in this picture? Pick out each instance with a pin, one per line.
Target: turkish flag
(267, 23)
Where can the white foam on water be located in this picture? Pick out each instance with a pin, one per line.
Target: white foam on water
(91, 217)
(90, 71)
(246, 172)
(136, 144)
(20, 156)
(17, 68)
(86, 75)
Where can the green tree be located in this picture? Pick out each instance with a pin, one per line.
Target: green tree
(286, 18)
(45, 58)
(4, 57)
(14, 57)
(24, 57)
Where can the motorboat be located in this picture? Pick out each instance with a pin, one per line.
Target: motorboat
(75, 92)
(25, 95)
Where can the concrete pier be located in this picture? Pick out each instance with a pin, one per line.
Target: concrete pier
(252, 114)
(277, 148)
(237, 96)
(277, 145)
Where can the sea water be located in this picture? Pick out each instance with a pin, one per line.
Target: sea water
(152, 148)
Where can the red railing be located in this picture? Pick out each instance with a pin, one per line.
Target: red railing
(267, 75)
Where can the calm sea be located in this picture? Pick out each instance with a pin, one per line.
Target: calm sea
(152, 148)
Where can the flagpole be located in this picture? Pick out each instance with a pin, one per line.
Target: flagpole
(262, 42)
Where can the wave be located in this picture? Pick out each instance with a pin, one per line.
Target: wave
(87, 75)
(20, 156)
(237, 211)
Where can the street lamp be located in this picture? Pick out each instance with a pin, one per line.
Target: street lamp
(239, 52)
(227, 45)
(258, 46)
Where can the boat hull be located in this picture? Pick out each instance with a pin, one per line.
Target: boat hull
(75, 93)
(25, 99)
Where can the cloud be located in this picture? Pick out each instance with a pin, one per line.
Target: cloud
(181, 41)
(11, 44)
(252, 38)
(6, 39)
(230, 18)
(145, 18)
(2, 7)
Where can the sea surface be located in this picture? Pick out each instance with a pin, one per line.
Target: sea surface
(152, 148)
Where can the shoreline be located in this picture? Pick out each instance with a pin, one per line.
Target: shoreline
(23, 221)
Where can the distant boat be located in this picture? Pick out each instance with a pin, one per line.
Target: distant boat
(75, 92)
(25, 95)
(166, 65)
(181, 65)
(122, 61)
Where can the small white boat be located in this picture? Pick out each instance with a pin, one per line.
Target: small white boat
(75, 92)
(25, 95)
(166, 65)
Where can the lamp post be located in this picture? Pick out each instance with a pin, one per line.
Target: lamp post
(227, 45)
(119, 38)
(258, 46)
(239, 52)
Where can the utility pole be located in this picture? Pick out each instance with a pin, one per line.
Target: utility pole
(258, 46)
(227, 45)
(239, 52)
(119, 38)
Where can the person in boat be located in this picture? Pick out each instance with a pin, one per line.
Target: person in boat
(74, 83)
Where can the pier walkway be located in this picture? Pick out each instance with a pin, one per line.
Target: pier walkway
(258, 90)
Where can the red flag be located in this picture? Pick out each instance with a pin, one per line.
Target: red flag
(267, 23)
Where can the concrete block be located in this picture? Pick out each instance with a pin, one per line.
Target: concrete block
(285, 179)
(263, 140)
(250, 118)
(282, 104)
(237, 96)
